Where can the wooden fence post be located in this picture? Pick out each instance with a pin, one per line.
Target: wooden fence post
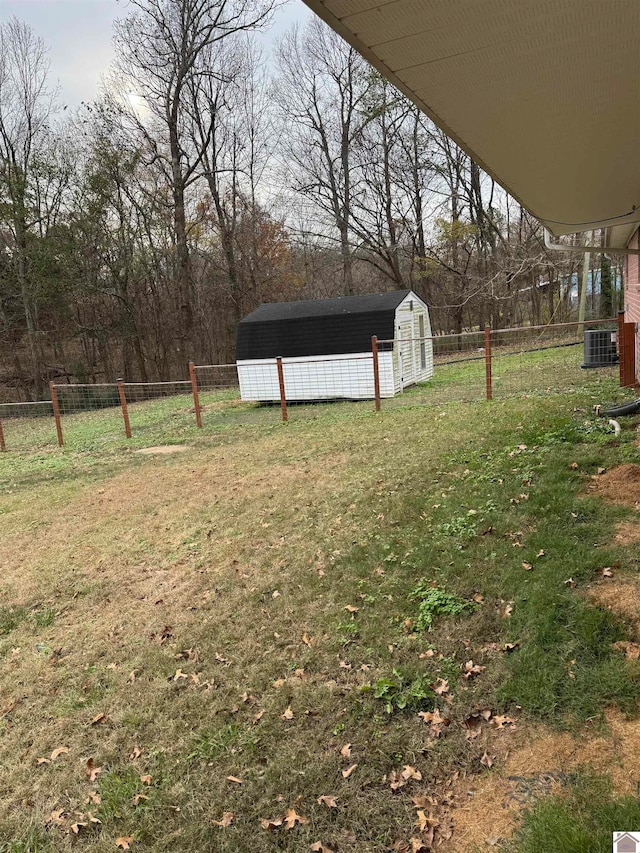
(125, 410)
(3, 446)
(376, 371)
(56, 412)
(487, 362)
(196, 394)
(283, 396)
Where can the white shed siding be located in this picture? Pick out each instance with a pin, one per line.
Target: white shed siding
(328, 377)
(407, 324)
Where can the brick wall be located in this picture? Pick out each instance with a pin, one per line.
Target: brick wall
(632, 293)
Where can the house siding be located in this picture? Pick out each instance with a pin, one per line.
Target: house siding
(632, 293)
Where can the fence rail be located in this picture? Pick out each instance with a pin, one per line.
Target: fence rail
(429, 370)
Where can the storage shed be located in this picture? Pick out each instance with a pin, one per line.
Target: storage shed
(325, 346)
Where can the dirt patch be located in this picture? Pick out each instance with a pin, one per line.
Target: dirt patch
(163, 449)
(620, 485)
(627, 533)
(489, 808)
(620, 596)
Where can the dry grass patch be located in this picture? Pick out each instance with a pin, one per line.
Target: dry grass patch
(535, 764)
(627, 533)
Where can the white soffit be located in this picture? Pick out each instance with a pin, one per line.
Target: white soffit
(544, 95)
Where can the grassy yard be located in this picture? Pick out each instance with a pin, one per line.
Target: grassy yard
(350, 633)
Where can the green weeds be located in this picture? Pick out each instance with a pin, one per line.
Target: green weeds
(434, 603)
(402, 692)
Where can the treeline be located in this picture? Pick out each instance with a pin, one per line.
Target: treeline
(208, 178)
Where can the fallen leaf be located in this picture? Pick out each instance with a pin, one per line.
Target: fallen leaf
(234, 779)
(510, 647)
(288, 714)
(43, 761)
(292, 818)
(319, 847)
(606, 572)
(425, 821)
(540, 553)
(478, 598)
(346, 773)
(270, 824)
(501, 722)
(436, 721)
(179, 674)
(76, 827)
(275, 594)
(93, 797)
(146, 780)
(441, 686)
(351, 608)
(526, 566)
(506, 609)
(470, 669)
(428, 654)
(58, 752)
(125, 842)
(225, 820)
(329, 801)
(473, 722)
(307, 640)
(570, 583)
(137, 797)
(99, 718)
(57, 816)
(136, 753)
(487, 760)
(92, 771)
(257, 717)
(399, 778)
(345, 752)
(601, 471)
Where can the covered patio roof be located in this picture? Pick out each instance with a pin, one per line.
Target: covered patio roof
(543, 94)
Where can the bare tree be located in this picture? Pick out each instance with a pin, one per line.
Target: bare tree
(159, 46)
(321, 91)
(26, 106)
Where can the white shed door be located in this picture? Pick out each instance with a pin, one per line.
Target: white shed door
(406, 350)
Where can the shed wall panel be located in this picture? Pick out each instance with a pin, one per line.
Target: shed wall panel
(333, 377)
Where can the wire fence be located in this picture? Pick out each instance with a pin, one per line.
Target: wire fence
(402, 371)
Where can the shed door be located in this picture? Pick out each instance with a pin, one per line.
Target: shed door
(406, 355)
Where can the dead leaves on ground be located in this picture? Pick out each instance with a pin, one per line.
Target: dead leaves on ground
(399, 778)
(124, 842)
(290, 820)
(61, 750)
(226, 819)
(92, 771)
(437, 723)
(346, 773)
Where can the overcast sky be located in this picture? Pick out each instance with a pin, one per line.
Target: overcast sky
(79, 33)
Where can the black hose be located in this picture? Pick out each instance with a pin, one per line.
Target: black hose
(626, 409)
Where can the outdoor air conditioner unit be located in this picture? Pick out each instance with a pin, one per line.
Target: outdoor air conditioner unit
(600, 348)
